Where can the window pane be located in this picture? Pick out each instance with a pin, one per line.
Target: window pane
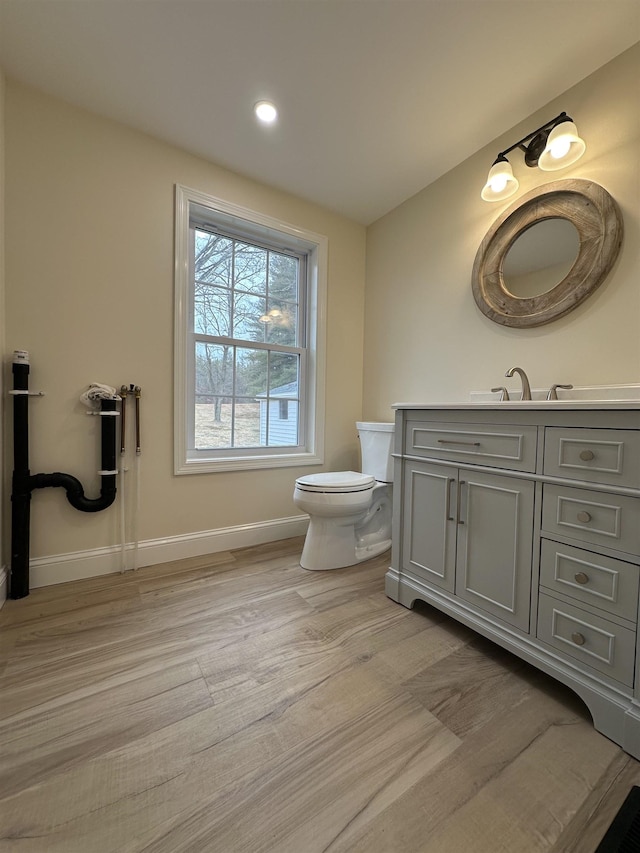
(250, 270)
(283, 277)
(248, 314)
(283, 375)
(283, 423)
(212, 422)
(281, 323)
(212, 310)
(246, 423)
(213, 255)
(251, 372)
(214, 369)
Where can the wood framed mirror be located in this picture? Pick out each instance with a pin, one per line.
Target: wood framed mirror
(579, 227)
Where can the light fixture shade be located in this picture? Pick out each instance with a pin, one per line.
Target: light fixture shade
(500, 182)
(563, 147)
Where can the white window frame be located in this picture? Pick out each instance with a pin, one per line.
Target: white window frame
(248, 223)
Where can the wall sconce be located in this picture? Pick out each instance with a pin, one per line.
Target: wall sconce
(553, 146)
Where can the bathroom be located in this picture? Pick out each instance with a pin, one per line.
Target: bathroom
(402, 324)
(87, 219)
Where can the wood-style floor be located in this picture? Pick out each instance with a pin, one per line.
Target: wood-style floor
(236, 704)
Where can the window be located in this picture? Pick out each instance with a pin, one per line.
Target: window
(249, 357)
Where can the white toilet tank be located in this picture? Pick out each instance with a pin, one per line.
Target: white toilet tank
(376, 442)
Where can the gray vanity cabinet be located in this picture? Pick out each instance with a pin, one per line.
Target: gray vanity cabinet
(469, 533)
(493, 565)
(523, 522)
(429, 530)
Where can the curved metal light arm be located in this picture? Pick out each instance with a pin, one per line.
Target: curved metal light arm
(537, 141)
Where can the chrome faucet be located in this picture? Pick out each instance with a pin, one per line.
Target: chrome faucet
(553, 395)
(526, 388)
(504, 394)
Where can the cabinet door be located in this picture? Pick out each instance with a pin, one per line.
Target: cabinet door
(429, 529)
(495, 522)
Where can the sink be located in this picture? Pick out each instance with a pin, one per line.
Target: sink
(597, 396)
(580, 397)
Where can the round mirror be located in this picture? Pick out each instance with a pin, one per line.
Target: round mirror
(540, 257)
(586, 208)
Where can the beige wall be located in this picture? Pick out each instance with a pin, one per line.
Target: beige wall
(89, 292)
(425, 339)
(89, 281)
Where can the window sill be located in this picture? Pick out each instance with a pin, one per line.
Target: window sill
(246, 463)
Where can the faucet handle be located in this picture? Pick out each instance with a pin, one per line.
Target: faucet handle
(552, 395)
(504, 394)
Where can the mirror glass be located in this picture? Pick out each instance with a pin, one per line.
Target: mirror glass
(540, 257)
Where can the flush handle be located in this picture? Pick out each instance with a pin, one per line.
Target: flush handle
(578, 639)
(587, 455)
(581, 577)
(584, 517)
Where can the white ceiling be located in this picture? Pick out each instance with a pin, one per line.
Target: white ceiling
(377, 98)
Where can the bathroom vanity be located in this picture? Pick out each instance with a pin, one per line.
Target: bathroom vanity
(522, 520)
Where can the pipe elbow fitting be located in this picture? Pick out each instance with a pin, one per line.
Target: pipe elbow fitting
(75, 492)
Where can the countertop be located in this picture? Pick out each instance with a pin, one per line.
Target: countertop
(536, 405)
(581, 397)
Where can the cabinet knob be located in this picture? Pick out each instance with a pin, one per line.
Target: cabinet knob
(587, 455)
(581, 577)
(584, 517)
(578, 639)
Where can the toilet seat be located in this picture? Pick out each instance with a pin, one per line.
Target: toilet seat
(336, 482)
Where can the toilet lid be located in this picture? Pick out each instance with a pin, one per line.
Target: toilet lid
(336, 481)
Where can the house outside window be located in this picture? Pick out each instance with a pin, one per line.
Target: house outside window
(249, 359)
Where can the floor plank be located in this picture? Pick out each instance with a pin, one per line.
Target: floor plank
(240, 704)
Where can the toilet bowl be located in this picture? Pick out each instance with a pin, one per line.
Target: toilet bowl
(349, 512)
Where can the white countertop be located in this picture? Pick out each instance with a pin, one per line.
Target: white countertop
(561, 405)
(593, 397)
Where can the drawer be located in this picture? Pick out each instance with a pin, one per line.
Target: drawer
(602, 582)
(596, 455)
(599, 644)
(511, 447)
(598, 518)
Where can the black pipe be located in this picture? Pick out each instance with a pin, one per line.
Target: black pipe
(24, 483)
(20, 490)
(73, 486)
(123, 415)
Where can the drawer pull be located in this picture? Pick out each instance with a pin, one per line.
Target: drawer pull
(447, 510)
(578, 639)
(461, 483)
(581, 577)
(587, 455)
(454, 441)
(584, 517)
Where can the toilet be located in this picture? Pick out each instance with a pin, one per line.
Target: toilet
(349, 512)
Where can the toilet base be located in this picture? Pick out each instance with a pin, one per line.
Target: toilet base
(329, 546)
(368, 552)
(339, 536)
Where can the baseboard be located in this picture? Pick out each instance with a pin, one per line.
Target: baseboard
(60, 568)
(3, 585)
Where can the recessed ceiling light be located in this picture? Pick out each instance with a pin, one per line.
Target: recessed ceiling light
(266, 112)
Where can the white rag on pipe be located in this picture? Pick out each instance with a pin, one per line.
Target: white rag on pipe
(96, 392)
